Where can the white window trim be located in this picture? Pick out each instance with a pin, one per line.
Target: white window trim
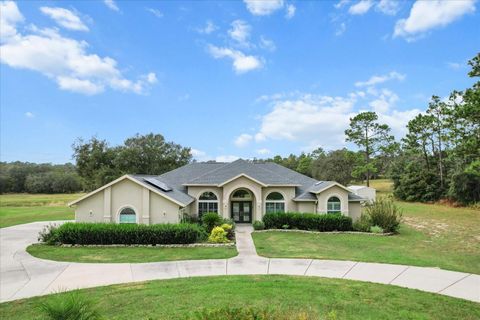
(275, 201)
(137, 216)
(207, 201)
(339, 198)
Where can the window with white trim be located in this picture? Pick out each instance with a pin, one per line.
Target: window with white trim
(334, 205)
(127, 215)
(208, 202)
(274, 203)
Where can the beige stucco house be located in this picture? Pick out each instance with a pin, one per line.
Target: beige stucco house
(241, 190)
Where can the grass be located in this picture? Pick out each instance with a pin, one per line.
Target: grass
(128, 254)
(180, 298)
(24, 208)
(431, 235)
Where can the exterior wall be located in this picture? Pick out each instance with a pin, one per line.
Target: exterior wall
(248, 184)
(93, 204)
(334, 191)
(288, 194)
(106, 205)
(163, 210)
(355, 210)
(196, 192)
(306, 207)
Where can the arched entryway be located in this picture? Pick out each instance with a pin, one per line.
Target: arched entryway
(241, 205)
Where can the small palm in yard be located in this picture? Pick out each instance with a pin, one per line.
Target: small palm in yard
(73, 306)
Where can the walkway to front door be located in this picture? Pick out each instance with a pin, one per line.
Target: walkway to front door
(242, 211)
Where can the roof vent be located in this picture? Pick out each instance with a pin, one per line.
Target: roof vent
(157, 183)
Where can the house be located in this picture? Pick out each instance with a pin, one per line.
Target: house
(241, 190)
(368, 193)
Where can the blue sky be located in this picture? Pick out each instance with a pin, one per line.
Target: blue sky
(228, 79)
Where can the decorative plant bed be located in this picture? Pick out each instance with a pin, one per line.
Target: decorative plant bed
(191, 245)
(328, 232)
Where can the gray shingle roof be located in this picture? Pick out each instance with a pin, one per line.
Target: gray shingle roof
(215, 173)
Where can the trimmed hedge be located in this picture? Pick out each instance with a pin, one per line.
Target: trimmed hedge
(110, 233)
(307, 221)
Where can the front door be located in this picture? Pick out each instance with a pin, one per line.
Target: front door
(242, 211)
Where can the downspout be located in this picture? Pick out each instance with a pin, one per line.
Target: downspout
(316, 205)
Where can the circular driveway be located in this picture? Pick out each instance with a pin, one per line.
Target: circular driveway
(23, 276)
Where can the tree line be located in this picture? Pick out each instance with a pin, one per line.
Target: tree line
(438, 158)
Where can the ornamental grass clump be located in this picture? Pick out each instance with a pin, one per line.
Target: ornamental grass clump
(73, 306)
(385, 214)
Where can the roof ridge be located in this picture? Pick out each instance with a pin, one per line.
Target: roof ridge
(213, 170)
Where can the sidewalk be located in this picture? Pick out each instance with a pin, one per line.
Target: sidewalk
(23, 276)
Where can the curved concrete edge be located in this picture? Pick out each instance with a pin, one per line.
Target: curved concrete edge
(24, 276)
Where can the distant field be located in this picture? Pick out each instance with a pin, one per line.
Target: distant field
(23, 208)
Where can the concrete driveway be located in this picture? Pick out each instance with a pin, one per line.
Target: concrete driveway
(23, 276)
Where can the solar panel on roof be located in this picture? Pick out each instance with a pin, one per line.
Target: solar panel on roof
(157, 183)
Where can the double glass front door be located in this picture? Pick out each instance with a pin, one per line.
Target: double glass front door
(242, 211)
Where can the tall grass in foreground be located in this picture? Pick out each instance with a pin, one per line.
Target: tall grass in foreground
(72, 306)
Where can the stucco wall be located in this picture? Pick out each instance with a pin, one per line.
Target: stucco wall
(306, 207)
(288, 194)
(355, 210)
(195, 192)
(163, 210)
(106, 205)
(334, 191)
(93, 204)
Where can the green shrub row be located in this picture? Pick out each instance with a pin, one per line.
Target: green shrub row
(110, 233)
(307, 221)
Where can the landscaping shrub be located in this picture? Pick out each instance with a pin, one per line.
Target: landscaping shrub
(218, 235)
(376, 229)
(384, 213)
(49, 234)
(363, 224)
(110, 233)
(258, 225)
(307, 221)
(210, 220)
(72, 306)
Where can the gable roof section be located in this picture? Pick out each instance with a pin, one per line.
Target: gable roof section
(324, 185)
(176, 196)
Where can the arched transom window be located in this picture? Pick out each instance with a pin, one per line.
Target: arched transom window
(275, 202)
(208, 202)
(242, 195)
(127, 215)
(334, 205)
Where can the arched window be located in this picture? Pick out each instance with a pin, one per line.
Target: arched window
(274, 203)
(127, 215)
(242, 195)
(208, 202)
(333, 205)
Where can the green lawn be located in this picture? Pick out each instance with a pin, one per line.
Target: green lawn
(180, 298)
(431, 235)
(23, 208)
(128, 254)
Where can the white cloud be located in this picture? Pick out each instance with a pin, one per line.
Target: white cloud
(341, 29)
(263, 151)
(243, 140)
(111, 5)
(340, 4)
(388, 7)
(209, 28)
(28, 114)
(157, 13)
(241, 63)
(384, 101)
(427, 15)
(360, 7)
(267, 44)
(290, 11)
(240, 32)
(380, 79)
(263, 7)
(65, 18)
(226, 158)
(64, 60)
(10, 16)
